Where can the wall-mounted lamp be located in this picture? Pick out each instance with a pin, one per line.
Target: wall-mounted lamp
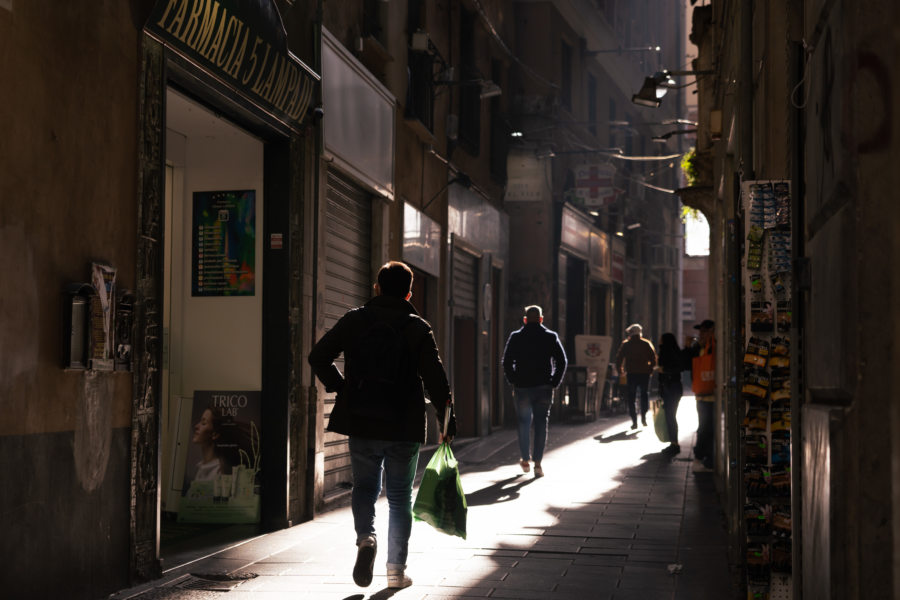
(655, 87)
(664, 137)
(489, 89)
(653, 90)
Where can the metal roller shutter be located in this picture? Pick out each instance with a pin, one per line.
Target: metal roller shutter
(348, 283)
(465, 282)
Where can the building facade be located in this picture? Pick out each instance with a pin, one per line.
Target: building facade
(796, 136)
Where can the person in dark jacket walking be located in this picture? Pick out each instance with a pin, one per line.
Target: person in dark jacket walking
(534, 363)
(389, 352)
(638, 357)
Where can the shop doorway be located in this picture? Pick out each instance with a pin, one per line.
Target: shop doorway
(211, 375)
(575, 301)
(599, 310)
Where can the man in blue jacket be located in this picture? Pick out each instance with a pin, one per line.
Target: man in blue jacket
(534, 363)
(389, 353)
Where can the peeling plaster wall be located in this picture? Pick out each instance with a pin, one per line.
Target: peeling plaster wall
(67, 197)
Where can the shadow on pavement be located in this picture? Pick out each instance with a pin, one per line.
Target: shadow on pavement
(621, 436)
(502, 491)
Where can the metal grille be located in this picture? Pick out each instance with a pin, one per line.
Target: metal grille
(348, 281)
(465, 278)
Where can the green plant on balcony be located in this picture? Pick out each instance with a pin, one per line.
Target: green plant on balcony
(690, 167)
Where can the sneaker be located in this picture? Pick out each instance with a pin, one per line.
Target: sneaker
(398, 579)
(644, 420)
(526, 466)
(365, 561)
(634, 424)
(538, 471)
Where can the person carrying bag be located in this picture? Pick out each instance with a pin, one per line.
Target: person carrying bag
(441, 501)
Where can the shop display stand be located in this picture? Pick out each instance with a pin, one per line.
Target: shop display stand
(766, 388)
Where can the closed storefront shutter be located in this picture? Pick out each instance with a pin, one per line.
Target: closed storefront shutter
(465, 327)
(348, 284)
(465, 278)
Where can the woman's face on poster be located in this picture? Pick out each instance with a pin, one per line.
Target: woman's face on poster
(204, 432)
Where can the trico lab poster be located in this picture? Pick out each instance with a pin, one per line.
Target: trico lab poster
(222, 464)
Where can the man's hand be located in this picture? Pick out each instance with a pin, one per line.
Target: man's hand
(444, 438)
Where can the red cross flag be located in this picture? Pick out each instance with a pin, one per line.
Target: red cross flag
(594, 184)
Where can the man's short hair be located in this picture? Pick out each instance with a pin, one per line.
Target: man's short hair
(533, 312)
(634, 329)
(395, 279)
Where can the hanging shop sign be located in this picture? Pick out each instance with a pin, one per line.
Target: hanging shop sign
(527, 178)
(575, 234)
(594, 184)
(244, 45)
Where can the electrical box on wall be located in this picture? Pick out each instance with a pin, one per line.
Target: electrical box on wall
(76, 325)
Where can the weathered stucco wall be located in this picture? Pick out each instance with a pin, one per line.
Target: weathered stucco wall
(67, 197)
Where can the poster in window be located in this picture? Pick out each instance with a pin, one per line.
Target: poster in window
(222, 462)
(224, 243)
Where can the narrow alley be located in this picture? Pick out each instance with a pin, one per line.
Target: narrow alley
(613, 519)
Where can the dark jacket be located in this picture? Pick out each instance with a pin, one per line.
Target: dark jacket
(406, 421)
(637, 355)
(533, 356)
(671, 364)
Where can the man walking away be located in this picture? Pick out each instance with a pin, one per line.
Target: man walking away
(638, 357)
(534, 363)
(389, 352)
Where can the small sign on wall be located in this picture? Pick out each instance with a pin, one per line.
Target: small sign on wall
(592, 351)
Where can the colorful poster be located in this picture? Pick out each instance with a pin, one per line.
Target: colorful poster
(222, 462)
(224, 243)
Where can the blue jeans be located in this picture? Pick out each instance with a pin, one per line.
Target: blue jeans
(635, 381)
(533, 404)
(398, 461)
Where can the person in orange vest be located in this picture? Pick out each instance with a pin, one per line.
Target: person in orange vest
(702, 356)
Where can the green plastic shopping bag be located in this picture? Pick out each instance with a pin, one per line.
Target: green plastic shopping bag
(441, 501)
(660, 424)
